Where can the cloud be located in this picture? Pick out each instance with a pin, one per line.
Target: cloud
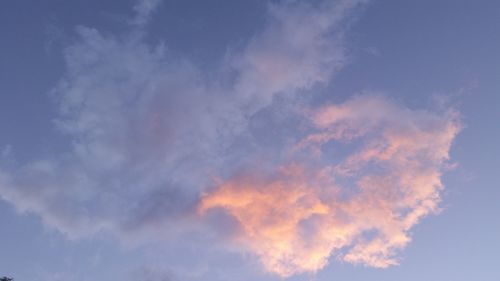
(149, 130)
(359, 208)
(301, 46)
(156, 141)
(124, 148)
(144, 10)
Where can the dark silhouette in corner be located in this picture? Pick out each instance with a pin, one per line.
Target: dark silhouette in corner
(6, 279)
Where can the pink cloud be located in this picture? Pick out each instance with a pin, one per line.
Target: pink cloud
(299, 215)
(301, 46)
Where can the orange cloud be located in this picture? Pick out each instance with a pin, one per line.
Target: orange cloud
(296, 217)
(274, 215)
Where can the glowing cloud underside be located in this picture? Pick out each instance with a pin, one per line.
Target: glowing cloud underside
(359, 208)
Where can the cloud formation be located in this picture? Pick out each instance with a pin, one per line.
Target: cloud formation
(149, 132)
(359, 208)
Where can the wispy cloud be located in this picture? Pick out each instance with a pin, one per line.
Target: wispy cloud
(144, 10)
(157, 141)
(301, 47)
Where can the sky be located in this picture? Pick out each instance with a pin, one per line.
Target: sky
(182, 140)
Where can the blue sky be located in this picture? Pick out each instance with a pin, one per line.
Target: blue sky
(249, 140)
